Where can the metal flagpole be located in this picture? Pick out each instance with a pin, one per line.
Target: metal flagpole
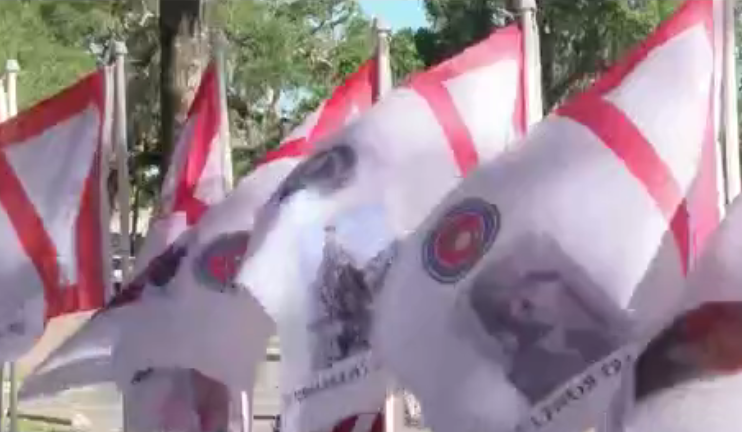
(12, 68)
(383, 62)
(729, 106)
(3, 117)
(219, 44)
(383, 86)
(532, 61)
(122, 158)
(120, 148)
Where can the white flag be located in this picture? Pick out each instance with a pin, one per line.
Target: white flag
(508, 308)
(323, 243)
(196, 325)
(53, 218)
(195, 180)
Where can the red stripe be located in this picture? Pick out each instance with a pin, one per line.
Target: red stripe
(88, 294)
(30, 230)
(704, 197)
(501, 45)
(689, 14)
(291, 149)
(44, 115)
(346, 425)
(457, 134)
(378, 425)
(89, 291)
(625, 140)
(205, 114)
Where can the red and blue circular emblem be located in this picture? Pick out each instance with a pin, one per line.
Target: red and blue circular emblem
(460, 239)
(218, 263)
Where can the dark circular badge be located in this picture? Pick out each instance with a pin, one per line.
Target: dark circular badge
(218, 263)
(459, 240)
(327, 169)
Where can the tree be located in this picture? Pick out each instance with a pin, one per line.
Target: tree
(182, 59)
(579, 38)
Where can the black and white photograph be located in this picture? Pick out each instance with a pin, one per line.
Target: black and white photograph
(345, 294)
(524, 319)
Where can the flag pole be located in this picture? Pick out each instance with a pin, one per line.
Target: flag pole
(382, 87)
(532, 61)
(729, 106)
(122, 158)
(383, 62)
(219, 44)
(3, 117)
(12, 68)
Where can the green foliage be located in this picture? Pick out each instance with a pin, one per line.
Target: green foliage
(51, 41)
(286, 56)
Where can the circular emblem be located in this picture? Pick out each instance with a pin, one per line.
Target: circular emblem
(459, 240)
(218, 262)
(326, 169)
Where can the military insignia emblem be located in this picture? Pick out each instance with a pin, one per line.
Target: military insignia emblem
(217, 265)
(461, 237)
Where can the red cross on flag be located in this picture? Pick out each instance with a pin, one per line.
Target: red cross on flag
(53, 212)
(510, 307)
(323, 243)
(197, 178)
(194, 183)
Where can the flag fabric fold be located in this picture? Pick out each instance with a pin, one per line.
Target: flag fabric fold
(688, 376)
(196, 180)
(54, 220)
(323, 242)
(197, 311)
(511, 307)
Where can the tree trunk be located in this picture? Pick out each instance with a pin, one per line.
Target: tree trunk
(183, 57)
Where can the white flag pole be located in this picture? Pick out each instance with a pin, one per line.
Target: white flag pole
(729, 106)
(383, 86)
(3, 117)
(532, 61)
(122, 158)
(383, 62)
(219, 44)
(11, 69)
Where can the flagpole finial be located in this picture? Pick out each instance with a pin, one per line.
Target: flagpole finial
(12, 66)
(525, 5)
(381, 26)
(119, 48)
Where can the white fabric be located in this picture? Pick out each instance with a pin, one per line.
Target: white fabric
(54, 191)
(331, 240)
(579, 246)
(85, 357)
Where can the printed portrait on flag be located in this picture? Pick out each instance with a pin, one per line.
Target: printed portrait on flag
(702, 343)
(345, 293)
(524, 318)
(326, 170)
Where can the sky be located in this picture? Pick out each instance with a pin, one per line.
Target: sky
(396, 13)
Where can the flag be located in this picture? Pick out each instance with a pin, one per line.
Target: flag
(54, 221)
(324, 241)
(203, 318)
(510, 308)
(688, 376)
(195, 180)
(178, 400)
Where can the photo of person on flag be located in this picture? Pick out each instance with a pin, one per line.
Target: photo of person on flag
(527, 312)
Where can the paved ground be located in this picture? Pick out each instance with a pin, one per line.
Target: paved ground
(99, 407)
